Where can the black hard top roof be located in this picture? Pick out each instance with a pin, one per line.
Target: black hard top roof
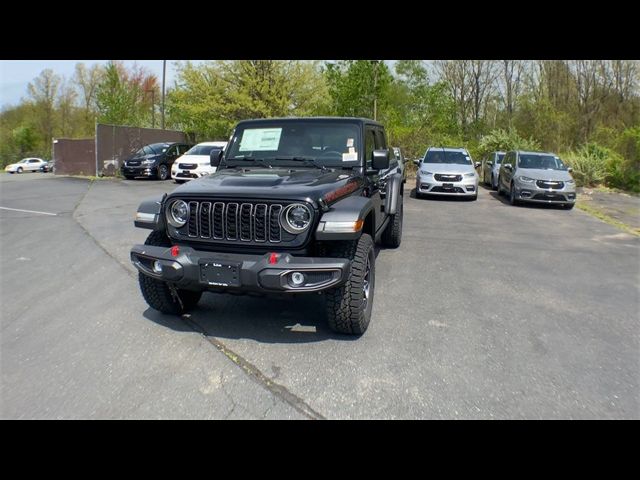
(312, 119)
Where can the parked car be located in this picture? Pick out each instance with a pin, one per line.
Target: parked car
(447, 171)
(536, 177)
(48, 166)
(491, 168)
(154, 160)
(25, 165)
(195, 162)
(296, 207)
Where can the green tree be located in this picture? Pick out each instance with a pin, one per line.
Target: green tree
(358, 88)
(210, 98)
(126, 97)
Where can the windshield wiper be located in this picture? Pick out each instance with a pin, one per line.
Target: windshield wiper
(295, 158)
(242, 158)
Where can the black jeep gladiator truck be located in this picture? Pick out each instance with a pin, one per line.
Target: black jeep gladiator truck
(296, 206)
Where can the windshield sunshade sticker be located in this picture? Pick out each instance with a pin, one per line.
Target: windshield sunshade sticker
(260, 139)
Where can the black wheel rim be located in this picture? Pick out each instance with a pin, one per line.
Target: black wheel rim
(163, 172)
(366, 284)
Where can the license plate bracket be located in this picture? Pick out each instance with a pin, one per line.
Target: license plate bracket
(220, 273)
(447, 185)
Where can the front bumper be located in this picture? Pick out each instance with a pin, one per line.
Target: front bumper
(200, 270)
(528, 192)
(189, 174)
(429, 185)
(141, 171)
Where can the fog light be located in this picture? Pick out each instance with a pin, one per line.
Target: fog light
(157, 267)
(297, 279)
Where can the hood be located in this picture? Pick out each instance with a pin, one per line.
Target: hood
(446, 168)
(543, 174)
(273, 183)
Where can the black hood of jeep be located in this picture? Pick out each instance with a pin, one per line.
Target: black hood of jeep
(268, 183)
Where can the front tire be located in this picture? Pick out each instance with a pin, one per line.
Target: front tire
(512, 195)
(349, 306)
(158, 294)
(392, 235)
(19, 170)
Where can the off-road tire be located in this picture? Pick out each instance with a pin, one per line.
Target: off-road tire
(344, 304)
(157, 293)
(392, 235)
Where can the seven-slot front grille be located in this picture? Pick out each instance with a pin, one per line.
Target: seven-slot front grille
(246, 222)
(443, 177)
(556, 185)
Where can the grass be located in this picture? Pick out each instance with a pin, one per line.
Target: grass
(585, 207)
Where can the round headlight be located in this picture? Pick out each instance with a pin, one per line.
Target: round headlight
(178, 213)
(297, 218)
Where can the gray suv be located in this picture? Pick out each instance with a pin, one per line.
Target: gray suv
(536, 177)
(491, 168)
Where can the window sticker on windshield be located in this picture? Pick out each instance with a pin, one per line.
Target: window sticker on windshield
(349, 142)
(350, 157)
(260, 139)
(352, 150)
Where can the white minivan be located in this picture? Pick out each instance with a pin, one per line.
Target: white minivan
(195, 162)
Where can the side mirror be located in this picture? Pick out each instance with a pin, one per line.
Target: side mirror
(380, 159)
(490, 163)
(215, 157)
(416, 161)
(477, 164)
(569, 169)
(508, 166)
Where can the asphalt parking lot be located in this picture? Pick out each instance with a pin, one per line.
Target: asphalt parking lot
(485, 311)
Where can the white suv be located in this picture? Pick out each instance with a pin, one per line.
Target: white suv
(195, 162)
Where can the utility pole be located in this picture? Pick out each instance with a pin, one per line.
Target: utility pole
(164, 73)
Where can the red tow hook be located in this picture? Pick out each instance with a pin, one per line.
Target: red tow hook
(175, 251)
(273, 258)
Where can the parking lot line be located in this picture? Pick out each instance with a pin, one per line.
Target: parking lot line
(28, 211)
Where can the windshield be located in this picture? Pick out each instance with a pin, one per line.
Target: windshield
(328, 144)
(158, 147)
(202, 150)
(146, 150)
(500, 157)
(448, 157)
(542, 162)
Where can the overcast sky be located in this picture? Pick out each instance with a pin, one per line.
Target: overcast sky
(16, 74)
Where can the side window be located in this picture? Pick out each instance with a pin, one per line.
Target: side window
(369, 146)
(171, 152)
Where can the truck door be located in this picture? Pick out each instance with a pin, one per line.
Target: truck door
(372, 142)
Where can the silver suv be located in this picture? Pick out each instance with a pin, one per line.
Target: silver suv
(536, 177)
(447, 171)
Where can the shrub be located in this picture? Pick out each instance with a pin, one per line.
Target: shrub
(589, 164)
(623, 171)
(505, 140)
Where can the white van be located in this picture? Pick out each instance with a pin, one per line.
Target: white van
(195, 162)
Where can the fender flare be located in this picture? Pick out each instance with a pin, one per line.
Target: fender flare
(334, 223)
(394, 192)
(149, 214)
